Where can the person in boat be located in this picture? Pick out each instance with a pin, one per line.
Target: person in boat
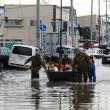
(81, 62)
(68, 66)
(65, 59)
(52, 67)
(37, 62)
(61, 66)
(92, 70)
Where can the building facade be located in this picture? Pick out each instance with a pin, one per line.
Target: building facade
(20, 22)
(1, 23)
(86, 21)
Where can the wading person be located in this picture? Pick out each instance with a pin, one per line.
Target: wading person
(92, 70)
(36, 65)
(81, 62)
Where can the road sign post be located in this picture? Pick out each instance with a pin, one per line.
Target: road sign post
(43, 28)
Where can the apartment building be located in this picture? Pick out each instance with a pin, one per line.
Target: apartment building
(20, 22)
(86, 21)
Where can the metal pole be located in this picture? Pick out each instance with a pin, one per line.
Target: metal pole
(99, 20)
(106, 23)
(91, 18)
(72, 27)
(38, 24)
(60, 54)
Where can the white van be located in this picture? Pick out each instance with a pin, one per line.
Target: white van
(69, 50)
(20, 53)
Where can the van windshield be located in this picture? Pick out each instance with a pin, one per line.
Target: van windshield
(63, 50)
(22, 50)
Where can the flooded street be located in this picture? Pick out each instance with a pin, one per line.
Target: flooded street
(18, 92)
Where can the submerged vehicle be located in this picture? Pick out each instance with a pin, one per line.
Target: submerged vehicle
(4, 56)
(106, 55)
(95, 52)
(20, 53)
(69, 50)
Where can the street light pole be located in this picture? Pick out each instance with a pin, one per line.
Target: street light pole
(99, 20)
(38, 24)
(72, 24)
(91, 18)
(106, 23)
(60, 54)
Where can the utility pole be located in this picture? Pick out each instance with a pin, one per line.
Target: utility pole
(72, 24)
(99, 20)
(38, 24)
(106, 23)
(60, 54)
(91, 18)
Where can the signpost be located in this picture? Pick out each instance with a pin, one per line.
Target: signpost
(43, 27)
(42, 35)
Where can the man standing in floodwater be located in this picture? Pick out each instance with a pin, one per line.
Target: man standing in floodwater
(81, 62)
(36, 65)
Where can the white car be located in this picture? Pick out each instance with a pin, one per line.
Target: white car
(95, 52)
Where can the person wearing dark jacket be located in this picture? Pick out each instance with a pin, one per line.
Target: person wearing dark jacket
(36, 65)
(81, 62)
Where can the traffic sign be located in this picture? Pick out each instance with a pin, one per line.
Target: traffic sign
(43, 27)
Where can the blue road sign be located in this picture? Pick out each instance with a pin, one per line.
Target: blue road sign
(43, 27)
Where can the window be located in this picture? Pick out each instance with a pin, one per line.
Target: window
(22, 50)
(14, 22)
(32, 23)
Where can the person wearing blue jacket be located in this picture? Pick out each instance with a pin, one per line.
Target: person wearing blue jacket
(92, 71)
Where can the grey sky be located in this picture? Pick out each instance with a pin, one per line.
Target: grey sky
(83, 7)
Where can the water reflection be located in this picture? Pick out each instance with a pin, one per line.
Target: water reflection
(35, 92)
(73, 96)
(83, 96)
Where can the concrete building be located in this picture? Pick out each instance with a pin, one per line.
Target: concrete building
(86, 21)
(20, 22)
(106, 38)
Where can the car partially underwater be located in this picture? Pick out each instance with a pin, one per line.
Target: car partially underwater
(95, 52)
(4, 56)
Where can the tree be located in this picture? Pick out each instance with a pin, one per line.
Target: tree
(84, 31)
(87, 32)
(81, 30)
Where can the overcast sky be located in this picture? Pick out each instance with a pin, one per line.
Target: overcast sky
(83, 7)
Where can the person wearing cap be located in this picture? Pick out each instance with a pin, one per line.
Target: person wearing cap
(81, 62)
(36, 65)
